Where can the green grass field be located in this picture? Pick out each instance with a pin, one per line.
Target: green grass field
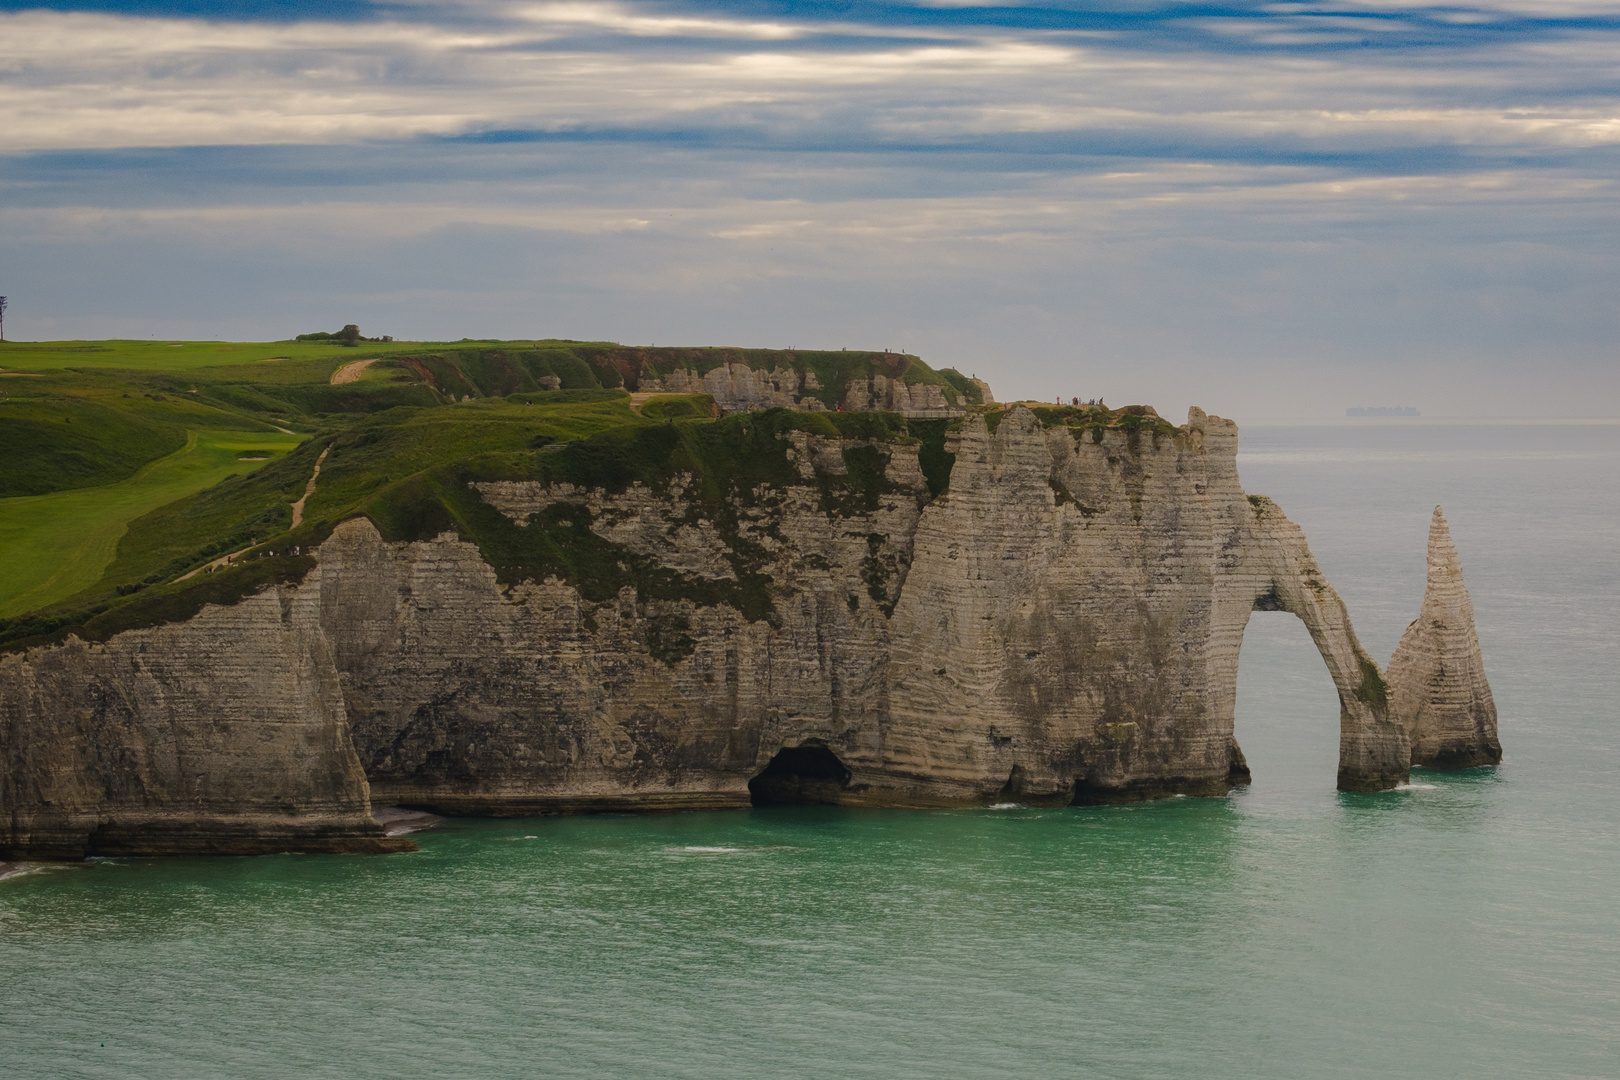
(56, 545)
(180, 356)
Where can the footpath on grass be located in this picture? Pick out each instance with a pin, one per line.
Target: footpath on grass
(351, 372)
(297, 520)
(56, 545)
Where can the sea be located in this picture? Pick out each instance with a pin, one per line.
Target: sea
(1467, 925)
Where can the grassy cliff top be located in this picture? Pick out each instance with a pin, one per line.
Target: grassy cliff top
(126, 466)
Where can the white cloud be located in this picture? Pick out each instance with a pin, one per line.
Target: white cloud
(101, 81)
(624, 20)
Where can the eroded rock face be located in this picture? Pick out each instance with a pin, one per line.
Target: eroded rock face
(1437, 675)
(735, 387)
(224, 734)
(916, 400)
(739, 388)
(1061, 625)
(1071, 625)
(473, 697)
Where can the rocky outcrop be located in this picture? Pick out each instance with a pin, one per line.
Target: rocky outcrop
(922, 401)
(1061, 625)
(735, 387)
(1437, 676)
(226, 733)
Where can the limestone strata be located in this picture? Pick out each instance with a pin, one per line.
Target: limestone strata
(1071, 625)
(914, 400)
(738, 388)
(1064, 623)
(1437, 679)
(472, 697)
(226, 733)
(735, 387)
(1061, 625)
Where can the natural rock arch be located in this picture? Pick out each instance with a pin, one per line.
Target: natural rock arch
(1374, 749)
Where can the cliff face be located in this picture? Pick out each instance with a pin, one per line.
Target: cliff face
(734, 387)
(474, 697)
(222, 734)
(737, 387)
(1437, 676)
(1072, 621)
(1061, 625)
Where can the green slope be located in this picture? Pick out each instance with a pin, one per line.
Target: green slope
(56, 545)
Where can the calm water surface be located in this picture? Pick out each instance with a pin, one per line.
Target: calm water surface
(1467, 927)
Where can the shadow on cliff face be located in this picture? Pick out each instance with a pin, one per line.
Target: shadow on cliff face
(809, 775)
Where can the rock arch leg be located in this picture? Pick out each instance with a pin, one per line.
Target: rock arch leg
(1374, 751)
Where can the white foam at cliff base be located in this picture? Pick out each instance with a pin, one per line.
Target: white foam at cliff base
(1415, 787)
(1005, 806)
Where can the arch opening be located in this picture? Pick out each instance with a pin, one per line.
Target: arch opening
(1286, 708)
(809, 775)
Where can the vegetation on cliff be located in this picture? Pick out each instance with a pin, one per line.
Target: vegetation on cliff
(193, 453)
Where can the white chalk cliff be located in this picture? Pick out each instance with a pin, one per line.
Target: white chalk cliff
(1061, 625)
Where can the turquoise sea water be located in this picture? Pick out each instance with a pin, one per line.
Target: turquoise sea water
(1467, 927)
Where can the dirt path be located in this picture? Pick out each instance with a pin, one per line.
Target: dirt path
(298, 519)
(223, 560)
(638, 400)
(309, 489)
(351, 371)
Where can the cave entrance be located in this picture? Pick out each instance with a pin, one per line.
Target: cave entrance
(809, 775)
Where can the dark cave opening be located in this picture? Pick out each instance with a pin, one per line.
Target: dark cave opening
(800, 776)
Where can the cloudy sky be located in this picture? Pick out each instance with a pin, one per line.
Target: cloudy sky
(1264, 208)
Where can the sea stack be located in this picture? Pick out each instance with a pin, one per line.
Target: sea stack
(1437, 676)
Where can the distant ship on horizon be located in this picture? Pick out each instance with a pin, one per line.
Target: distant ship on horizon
(1381, 410)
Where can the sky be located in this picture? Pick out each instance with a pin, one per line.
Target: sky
(1265, 209)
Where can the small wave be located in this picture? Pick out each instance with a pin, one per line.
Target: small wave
(1415, 787)
(705, 850)
(18, 869)
(1005, 806)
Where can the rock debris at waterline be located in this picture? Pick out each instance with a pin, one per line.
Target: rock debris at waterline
(1061, 625)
